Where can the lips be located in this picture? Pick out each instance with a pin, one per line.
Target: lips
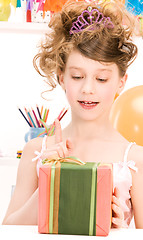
(88, 104)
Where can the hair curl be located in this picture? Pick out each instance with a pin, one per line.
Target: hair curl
(101, 44)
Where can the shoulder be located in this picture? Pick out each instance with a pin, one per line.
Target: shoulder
(35, 145)
(28, 153)
(136, 155)
(26, 164)
(32, 146)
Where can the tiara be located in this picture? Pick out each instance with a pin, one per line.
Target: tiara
(81, 23)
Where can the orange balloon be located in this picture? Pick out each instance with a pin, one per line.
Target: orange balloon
(126, 114)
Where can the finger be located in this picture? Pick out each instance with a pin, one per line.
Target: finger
(60, 150)
(116, 192)
(69, 145)
(57, 148)
(117, 223)
(58, 131)
(64, 149)
(117, 212)
(116, 201)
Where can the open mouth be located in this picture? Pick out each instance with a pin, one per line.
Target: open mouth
(88, 104)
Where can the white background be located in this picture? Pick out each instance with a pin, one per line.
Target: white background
(20, 85)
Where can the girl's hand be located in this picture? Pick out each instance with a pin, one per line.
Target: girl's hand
(117, 212)
(60, 149)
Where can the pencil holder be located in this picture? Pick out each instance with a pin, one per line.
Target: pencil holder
(34, 132)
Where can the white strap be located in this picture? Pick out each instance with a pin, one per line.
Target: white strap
(39, 154)
(127, 151)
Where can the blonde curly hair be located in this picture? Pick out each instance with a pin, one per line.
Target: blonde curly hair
(100, 44)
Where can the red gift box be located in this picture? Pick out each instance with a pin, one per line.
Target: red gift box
(75, 199)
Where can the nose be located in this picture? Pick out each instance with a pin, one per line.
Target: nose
(88, 86)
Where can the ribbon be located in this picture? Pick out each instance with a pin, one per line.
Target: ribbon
(93, 201)
(54, 162)
(136, 7)
(17, 3)
(52, 198)
(48, 130)
(40, 6)
(29, 4)
(70, 159)
(130, 164)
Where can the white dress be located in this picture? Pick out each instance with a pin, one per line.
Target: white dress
(122, 179)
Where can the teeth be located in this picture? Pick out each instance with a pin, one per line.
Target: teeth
(89, 103)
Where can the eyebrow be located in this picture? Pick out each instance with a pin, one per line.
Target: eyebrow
(99, 70)
(72, 67)
(104, 69)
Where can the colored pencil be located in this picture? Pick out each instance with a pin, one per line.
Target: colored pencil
(33, 121)
(24, 116)
(41, 111)
(38, 111)
(47, 113)
(36, 118)
(63, 115)
(51, 129)
(44, 114)
(28, 117)
(29, 114)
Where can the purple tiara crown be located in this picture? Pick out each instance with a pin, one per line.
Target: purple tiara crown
(91, 20)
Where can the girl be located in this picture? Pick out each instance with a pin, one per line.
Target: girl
(87, 52)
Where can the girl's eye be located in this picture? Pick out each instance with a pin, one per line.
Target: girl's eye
(77, 77)
(102, 79)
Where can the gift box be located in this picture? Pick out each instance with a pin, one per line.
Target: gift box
(75, 199)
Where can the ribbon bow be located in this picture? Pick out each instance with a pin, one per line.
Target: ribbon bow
(70, 159)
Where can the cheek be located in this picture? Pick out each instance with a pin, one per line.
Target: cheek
(108, 95)
(70, 93)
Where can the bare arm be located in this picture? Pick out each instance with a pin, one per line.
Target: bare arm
(24, 202)
(23, 206)
(136, 190)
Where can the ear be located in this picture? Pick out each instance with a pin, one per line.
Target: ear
(61, 81)
(122, 83)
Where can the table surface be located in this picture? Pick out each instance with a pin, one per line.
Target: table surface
(31, 232)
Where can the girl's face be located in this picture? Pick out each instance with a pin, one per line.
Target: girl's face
(90, 86)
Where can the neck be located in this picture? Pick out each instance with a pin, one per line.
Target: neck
(89, 129)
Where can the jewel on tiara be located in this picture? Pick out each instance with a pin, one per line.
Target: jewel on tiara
(81, 23)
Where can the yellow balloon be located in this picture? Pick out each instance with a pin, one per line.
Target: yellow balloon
(4, 3)
(126, 114)
(5, 12)
(14, 3)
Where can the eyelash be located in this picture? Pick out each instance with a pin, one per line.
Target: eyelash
(101, 79)
(77, 77)
(98, 79)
